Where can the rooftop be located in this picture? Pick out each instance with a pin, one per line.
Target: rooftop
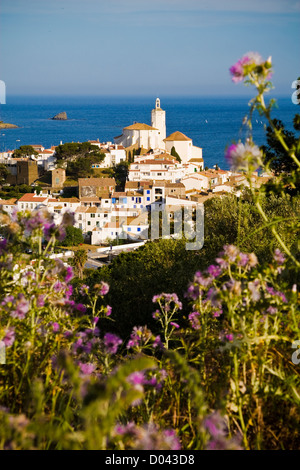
(96, 182)
(177, 136)
(139, 126)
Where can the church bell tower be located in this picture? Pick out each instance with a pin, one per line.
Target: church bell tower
(158, 120)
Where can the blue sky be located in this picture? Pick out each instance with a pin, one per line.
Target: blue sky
(143, 47)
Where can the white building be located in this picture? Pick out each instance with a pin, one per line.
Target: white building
(143, 135)
(184, 147)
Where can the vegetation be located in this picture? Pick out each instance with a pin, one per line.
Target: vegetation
(181, 349)
(24, 151)
(175, 154)
(15, 191)
(73, 237)
(78, 158)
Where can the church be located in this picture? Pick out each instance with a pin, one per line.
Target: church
(140, 135)
(144, 136)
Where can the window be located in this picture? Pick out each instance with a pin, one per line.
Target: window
(139, 229)
(89, 223)
(148, 191)
(129, 229)
(93, 216)
(80, 217)
(148, 198)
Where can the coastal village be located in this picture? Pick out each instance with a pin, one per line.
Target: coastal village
(164, 172)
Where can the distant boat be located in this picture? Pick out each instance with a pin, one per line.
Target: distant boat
(206, 120)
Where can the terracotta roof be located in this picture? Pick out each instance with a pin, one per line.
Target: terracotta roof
(9, 202)
(68, 199)
(29, 197)
(112, 225)
(139, 126)
(90, 199)
(155, 162)
(96, 182)
(176, 136)
(119, 194)
(92, 210)
(131, 184)
(195, 160)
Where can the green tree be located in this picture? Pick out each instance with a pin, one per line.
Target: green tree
(121, 173)
(73, 237)
(175, 154)
(3, 173)
(24, 151)
(275, 154)
(79, 158)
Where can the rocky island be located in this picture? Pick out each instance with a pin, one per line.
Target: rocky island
(60, 117)
(5, 125)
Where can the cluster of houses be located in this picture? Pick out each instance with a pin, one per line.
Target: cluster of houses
(165, 171)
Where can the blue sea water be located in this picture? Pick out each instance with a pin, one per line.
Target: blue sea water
(211, 122)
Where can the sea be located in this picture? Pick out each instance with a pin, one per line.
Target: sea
(212, 123)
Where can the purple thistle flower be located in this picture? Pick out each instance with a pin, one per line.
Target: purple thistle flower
(157, 343)
(40, 301)
(214, 270)
(229, 337)
(129, 428)
(69, 274)
(58, 286)
(55, 327)
(86, 368)
(111, 343)
(108, 310)
(69, 291)
(80, 308)
(243, 259)
(194, 319)
(84, 289)
(174, 324)
(171, 440)
(240, 156)
(104, 288)
(9, 337)
(279, 257)
(217, 313)
(136, 378)
(156, 315)
(215, 424)
(21, 307)
(49, 230)
(202, 280)
(272, 310)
